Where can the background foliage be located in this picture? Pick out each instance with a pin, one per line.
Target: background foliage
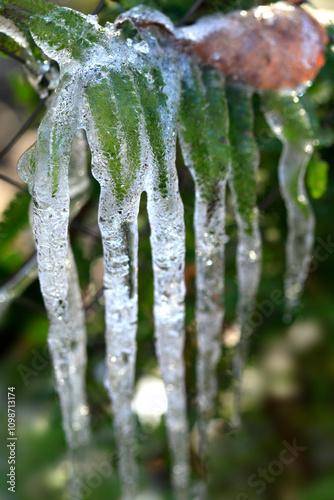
(289, 377)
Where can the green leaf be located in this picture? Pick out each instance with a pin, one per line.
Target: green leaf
(244, 153)
(15, 218)
(123, 109)
(317, 177)
(33, 6)
(203, 120)
(62, 29)
(152, 101)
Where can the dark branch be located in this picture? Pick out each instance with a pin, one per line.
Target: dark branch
(23, 129)
(98, 295)
(13, 56)
(85, 230)
(190, 12)
(99, 7)
(13, 183)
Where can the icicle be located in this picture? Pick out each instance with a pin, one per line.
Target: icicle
(79, 182)
(289, 122)
(242, 182)
(165, 211)
(44, 168)
(132, 141)
(203, 107)
(115, 162)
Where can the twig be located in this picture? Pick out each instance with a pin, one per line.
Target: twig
(98, 295)
(85, 230)
(24, 128)
(13, 56)
(99, 7)
(13, 183)
(190, 12)
(269, 200)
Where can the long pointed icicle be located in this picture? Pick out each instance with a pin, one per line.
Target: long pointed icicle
(159, 100)
(203, 107)
(116, 159)
(242, 182)
(78, 185)
(44, 167)
(290, 123)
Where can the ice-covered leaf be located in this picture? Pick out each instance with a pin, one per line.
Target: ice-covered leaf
(290, 123)
(203, 125)
(64, 33)
(115, 122)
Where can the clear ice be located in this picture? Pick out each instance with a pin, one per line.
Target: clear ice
(44, 167)
(78, 185)
(130, 94)
(290, 123)
(126, 100)
(242, 182)
(203, 107)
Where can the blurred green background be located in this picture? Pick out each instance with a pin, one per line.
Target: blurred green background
(289, 378)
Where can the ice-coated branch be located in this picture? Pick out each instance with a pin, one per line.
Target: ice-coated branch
(242, 182)
(290, 123)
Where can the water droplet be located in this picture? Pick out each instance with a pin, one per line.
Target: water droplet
(84, 410)
(177, 469)
(252, 255)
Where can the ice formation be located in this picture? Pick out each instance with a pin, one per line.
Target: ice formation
(290, 123)
(132, 141)
(242, 182)
(203, 107)
(132, 90)
(78, 185)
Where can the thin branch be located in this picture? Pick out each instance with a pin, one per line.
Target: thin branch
(269, 200)
(98, 295)
(24, 128)
(13, 56)
(30, 304)
(190, 12)
(99, 7)
(85, 230)
(13, 183)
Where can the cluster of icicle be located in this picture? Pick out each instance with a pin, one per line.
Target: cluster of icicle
(132, 97)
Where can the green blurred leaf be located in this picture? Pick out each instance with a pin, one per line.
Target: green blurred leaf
(15, 218)
(317, 177)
